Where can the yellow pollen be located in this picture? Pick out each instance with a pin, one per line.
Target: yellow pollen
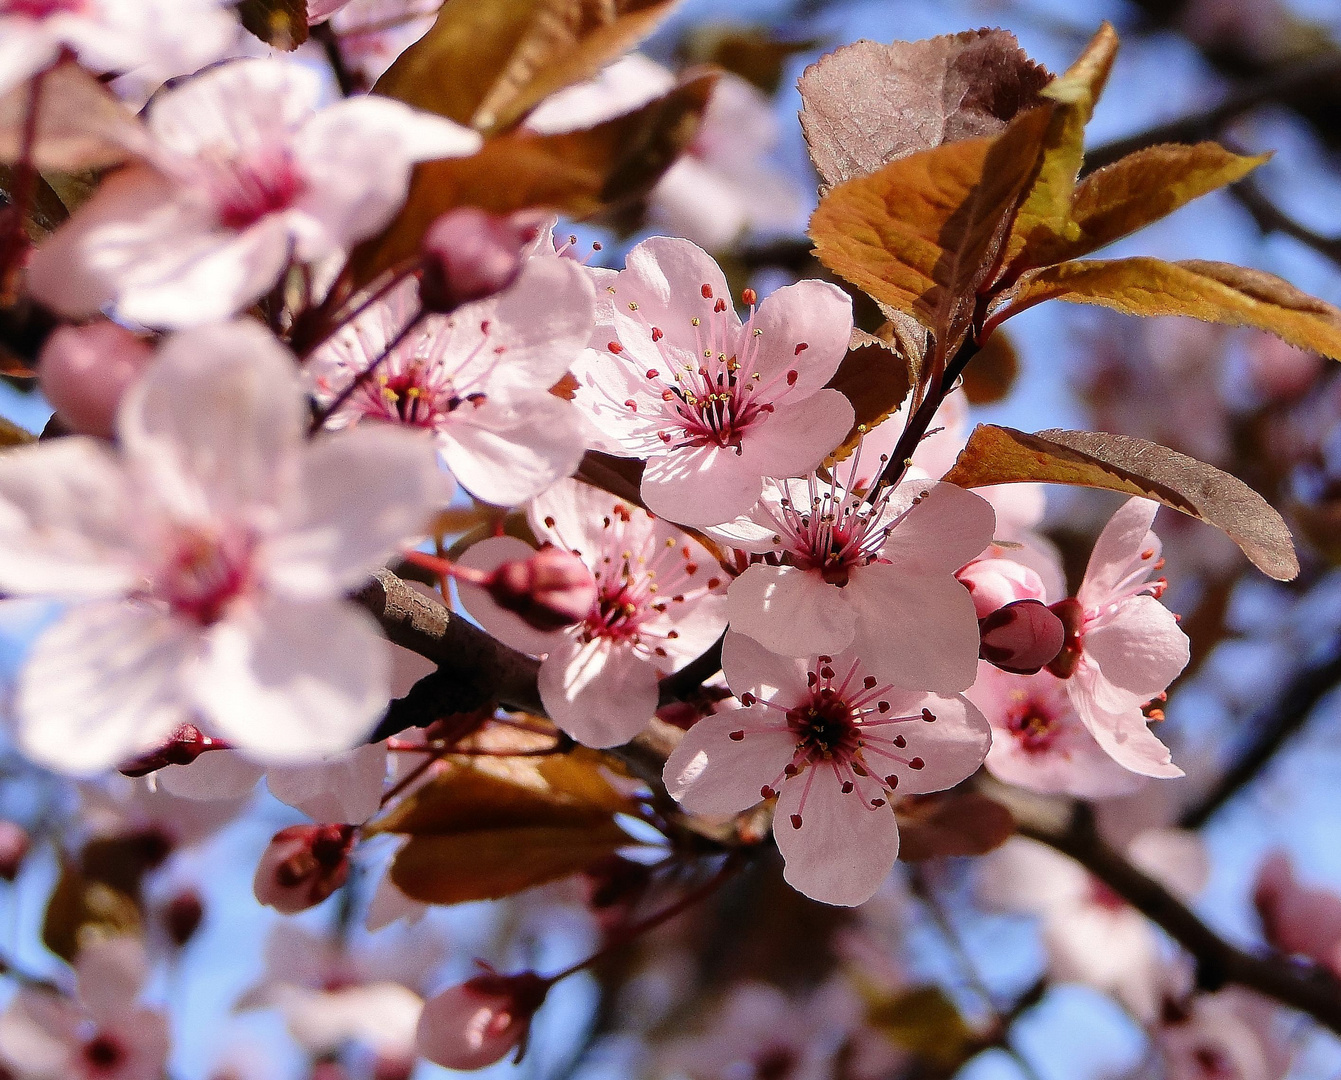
(694, 321)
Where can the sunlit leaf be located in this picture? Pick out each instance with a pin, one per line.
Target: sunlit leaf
(925, 1022)
(953, 823)
(576, 173)
(486, 63)
(1001, 455)
(281, 23)
(867, 104)
(1211, 291)
(921, 233)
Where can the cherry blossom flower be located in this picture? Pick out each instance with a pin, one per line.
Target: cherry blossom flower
(1295, 917)
(1124, 647)
(101, 1035)
(85, 370)
(244, 176)
(659, 604)
(1229, 1035)
(478, 379)
(877, 576)
(1038, 741)
(153, 38)
(212, 556)
(713, 405)
(479, 1022)
(834, 746)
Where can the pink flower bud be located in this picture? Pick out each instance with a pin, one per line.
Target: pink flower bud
(186, 744)
(471, 254)
(84, 370)
(550, 590)
(477, 1023)
(994, 583)
(303, 865)
(1021, 637)
(14, 845)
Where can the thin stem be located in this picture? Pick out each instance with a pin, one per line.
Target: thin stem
(363, 376)
(336, 325)
(324, 35)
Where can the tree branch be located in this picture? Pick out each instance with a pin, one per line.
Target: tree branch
(1271, 218)
(1308, 988)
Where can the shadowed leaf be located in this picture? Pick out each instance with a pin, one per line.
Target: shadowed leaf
(992, 371)
(925, 1022)
(1000, 455)
(875, 375)
(955, 823)
(752, 52)
(281, 23)
(868, 104)
(486, 63)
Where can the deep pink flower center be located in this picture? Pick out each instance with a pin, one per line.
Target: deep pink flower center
(247, 189)
(1035, 726)
(103, 1055)
(205, 572)
(41, 9)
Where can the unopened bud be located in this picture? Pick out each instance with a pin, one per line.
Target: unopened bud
(550, 590)
(1022, 637)
(14, 844)
(994, 583)
(84, 371)
(479, 1022)
(471, 254)
(1072, 615)
(393, 1068)
(186, 744)
(303, 865)
(182, 916)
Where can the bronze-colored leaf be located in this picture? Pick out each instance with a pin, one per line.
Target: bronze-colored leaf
(486, 63)
(281, 23)
(752, 52)
(951, 823)
(1210, 291)
(992, 371)
(875, 376)
(868, 104)
(1001, 455)
(576, 173)
(82, 907)
(80, 123)
(492, 827)
(13, 435)
(925, 1022)
(921, 234)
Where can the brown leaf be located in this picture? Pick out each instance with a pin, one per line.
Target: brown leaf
(1211, 291)
(13, 435)
(953, 823)
(875, 376)
(577, 173)
(1001, 455)
(921, 234)
(80, 123)
(486, 63)
(281, 23)
(868, 104)
(925, 1022)
(752, 52)
(492, 827)
(621, 477)
(992, 371)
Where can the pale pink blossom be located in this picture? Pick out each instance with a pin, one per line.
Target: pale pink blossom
(660, 603)
(1297, 918)
(479, 1022)
(477, 379)
(1230, 1035)
(994, 582)
(211, 555)
(244, 176)
(153, 38)
(1124, 646)
(835, 747)
(1038, 741)
(374, 32)
(877, 576)
(85, 370)
(302, 866)
(714, 405)
(101, 1034)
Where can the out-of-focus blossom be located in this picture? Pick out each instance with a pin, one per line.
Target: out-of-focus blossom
(713, 405)
(875, 576)
(835, 747)
(1230, 1035)
(373, 33)
(302, 866)
(477, 379)
(1296, 918)
(1038, 741)
(660, 603)
(471, 255)
(102, 1034)
(1124, 647)
(480, 1021)
(244, 176)
(14, 845)
(212, 556)
(550, 590)
(85, 370)
(152, 38)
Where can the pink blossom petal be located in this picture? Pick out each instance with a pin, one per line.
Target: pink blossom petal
(711, 773)
(843, 851)
(102, 686)
(1124, 736)
(572, 515)
(953, 745)
(668, 275)
(109, 974)
(218, 774)
(508, 451)
(1119, 545)
(704, 485)
(1141, 650)
(750, 668)
(363, 496)
(791, 611)
(918, 631)
(214, 418)
(812, 313)
(945, 530)
(345, 788)
(798, 435)
(544, 320)
(508, 627)
(65, 520)
(600, 692)
(293, 680)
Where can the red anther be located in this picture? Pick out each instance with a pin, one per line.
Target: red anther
(750, 297)
(707, 292)
(792, 376)
(796, 821)
(877, 802)
(869, 682)
(882, 706)
(667, 395)
(596, 245)
(747, 699)
(615, 347)
(917, 763)
(720, 306)
(657, 335)
(652, 373)
(891, 781)
(303, 865)
(767, 792)
(900, 741)
(631, 405)
(847, 787)
(1148, 553)
(550, 590)
(928, 715)
(801, 347)
(735, 736)
(714, 582)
